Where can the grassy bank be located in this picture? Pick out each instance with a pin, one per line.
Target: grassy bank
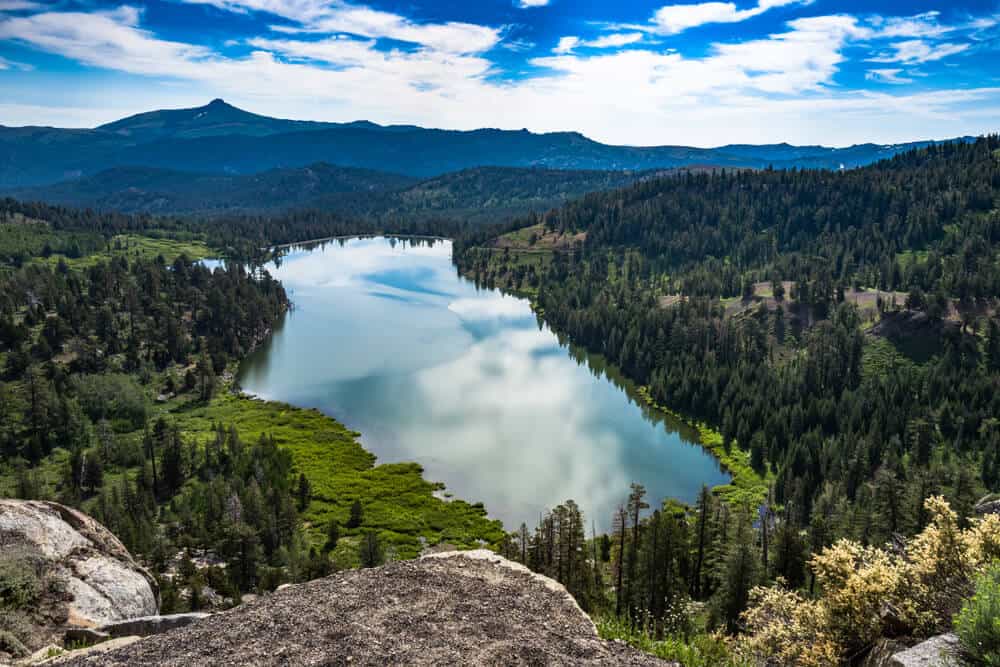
(406, 509)
(746, 487)
(133, 247)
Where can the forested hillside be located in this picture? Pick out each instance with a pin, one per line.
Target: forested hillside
(474, 196)
(839, 332)
(117, 395)
(163, 191)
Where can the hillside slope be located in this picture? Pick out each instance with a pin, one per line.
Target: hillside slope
(475, 195)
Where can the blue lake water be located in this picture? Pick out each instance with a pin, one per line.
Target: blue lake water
(386, 337)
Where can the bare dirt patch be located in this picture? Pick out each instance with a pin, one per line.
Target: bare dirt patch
(538, 238)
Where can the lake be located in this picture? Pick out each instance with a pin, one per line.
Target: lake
(386, 337)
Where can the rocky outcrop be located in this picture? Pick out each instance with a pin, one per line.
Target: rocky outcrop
(454, 608)
(988, 505)
(940, 651)
(882, 653)
(96, 578)
(144, 626)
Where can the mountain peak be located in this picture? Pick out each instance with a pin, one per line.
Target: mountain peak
(218, 102)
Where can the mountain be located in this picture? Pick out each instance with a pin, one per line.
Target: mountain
(476, 194)
(219, 137)
(215, 118)
(155, 190)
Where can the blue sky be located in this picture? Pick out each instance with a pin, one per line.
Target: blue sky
(642, 72)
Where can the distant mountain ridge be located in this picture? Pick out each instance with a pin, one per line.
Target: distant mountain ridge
(156, 190)
(220, 138)
(475, 194)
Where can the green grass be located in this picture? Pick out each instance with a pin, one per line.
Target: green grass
(698, 650)
(137, 247)
(523, 236)
(746, 486)
(28, 238)
(398, 502)
(408, 511)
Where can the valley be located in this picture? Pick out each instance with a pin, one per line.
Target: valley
(702, 399)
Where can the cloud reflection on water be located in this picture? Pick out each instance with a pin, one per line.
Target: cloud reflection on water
(465, 382)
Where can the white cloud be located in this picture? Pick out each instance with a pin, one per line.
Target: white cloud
(919, 25)
(422, 69)
(614, 40)
(774, 88)
(672, 19)
(334, 16)
(296, 10)
(917, 51)
(887, 76)
(527, 4)
(566, 44)
(106, 39)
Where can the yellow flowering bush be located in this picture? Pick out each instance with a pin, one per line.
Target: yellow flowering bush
(785, 629)
(869, 592)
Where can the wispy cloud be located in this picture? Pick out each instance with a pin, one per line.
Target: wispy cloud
(915, 51)
(13, 64)
(887, 76)
(317, 16)
(614, 40)
(566, 44)
(110, 40)
(673, 19)
(527, 4)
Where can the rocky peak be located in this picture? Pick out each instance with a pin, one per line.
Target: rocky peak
(452, 608)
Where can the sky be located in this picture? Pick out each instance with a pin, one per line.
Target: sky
(638, 72)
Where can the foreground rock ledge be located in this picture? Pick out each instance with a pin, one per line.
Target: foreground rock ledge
(101, 580)
(454, 608)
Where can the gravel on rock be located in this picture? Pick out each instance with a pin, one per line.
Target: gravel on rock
(449, 609)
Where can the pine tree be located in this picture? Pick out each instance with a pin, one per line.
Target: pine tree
(370, 552)
(357, 515)
(739, 575)
(701, 532)
(332, 536)
(635, 504)
(304, 492)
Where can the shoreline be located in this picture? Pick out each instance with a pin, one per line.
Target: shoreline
(745, 485)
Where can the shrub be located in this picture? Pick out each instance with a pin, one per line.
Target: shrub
(867, 593)
(20, 585)
(15, 633)
(12, 646)
(978, 624)
(783, 627)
